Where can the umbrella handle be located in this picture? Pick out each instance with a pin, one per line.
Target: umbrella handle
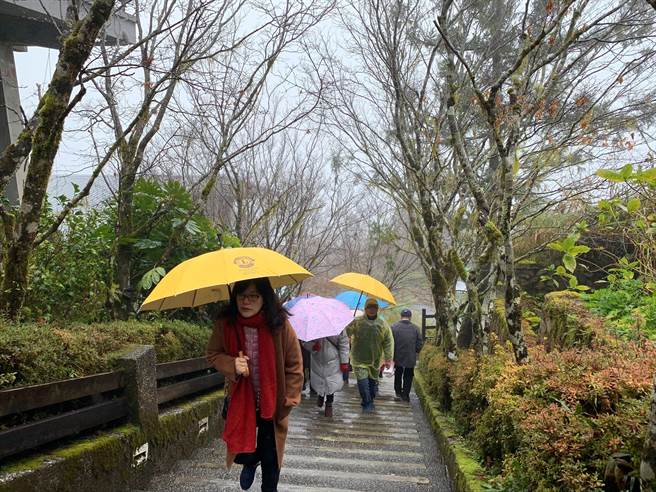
(247, 372)
(357, 304)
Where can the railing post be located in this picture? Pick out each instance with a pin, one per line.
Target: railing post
(138, 365)
(423, 323)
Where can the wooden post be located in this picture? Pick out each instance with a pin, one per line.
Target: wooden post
(423, 323)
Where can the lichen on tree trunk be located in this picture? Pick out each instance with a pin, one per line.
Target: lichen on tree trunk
(45, 139)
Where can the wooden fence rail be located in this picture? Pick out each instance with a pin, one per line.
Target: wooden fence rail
(101, 399)
(42, 395)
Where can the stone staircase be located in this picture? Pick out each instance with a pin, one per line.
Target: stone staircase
(391, 450)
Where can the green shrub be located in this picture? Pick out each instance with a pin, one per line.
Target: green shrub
(72, 275)
(472, 377)
(41, 353)
(433, 365)
(628, 306)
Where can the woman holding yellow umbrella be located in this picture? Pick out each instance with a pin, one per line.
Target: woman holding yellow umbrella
(255, 347)
(252, 345)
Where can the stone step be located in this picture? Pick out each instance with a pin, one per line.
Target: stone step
(380, 480)
(353, 463)
(331, 427)
(348, 441)
(400, 436)
(357, 453)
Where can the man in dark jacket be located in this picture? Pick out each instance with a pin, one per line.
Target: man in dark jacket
(407, 344)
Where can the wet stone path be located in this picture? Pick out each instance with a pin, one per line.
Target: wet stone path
(390, 450)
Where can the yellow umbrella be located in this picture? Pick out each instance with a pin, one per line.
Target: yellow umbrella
(365, 283)
(206, 278)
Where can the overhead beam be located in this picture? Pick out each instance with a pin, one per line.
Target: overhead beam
(40, 23)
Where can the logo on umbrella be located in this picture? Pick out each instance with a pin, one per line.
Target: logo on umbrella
(244, 261)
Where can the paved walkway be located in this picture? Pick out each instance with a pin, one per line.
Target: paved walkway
(391, 450)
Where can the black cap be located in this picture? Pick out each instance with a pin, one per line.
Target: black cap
(406, 313)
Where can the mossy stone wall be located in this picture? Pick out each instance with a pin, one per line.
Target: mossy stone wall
(466, 474)
(105, 462)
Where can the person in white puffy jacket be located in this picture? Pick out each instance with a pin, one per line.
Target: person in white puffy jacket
(329, 360)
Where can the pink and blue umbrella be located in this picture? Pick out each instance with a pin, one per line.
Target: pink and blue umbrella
(356, 300)
(318, 317)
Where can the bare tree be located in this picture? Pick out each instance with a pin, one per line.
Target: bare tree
(40, 140)
(546, 102)
(388, 113)
(173, 37)
(375, 242)
(283, 198)
(186, 50)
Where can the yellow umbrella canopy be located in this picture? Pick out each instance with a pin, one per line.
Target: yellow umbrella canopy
(365, 283)
(205, 278)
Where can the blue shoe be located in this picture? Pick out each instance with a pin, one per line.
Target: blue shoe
(247, 476)
(368, 408)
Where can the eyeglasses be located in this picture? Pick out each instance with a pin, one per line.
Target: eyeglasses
(249, 297)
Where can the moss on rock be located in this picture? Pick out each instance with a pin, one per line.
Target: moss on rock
(567, 323)
(464, 468)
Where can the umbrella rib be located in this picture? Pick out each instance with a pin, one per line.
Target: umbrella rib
(193, 301)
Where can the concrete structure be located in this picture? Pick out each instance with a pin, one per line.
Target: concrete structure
(36, 23)
(140, 371)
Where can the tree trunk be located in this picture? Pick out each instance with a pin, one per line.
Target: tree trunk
(648, 464)
(512, 293)
(123, 305)
(51, 113)
(445, 335)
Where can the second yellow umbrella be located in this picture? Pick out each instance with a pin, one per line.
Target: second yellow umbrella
(206, 278)
(364, 283)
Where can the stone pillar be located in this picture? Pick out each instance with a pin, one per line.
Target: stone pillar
(11, 123)
(138, 365)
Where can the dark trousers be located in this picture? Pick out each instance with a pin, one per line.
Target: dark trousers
(265, 453)
(403, 380)
(368, 390)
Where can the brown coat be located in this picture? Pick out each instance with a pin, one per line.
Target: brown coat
(289, 377)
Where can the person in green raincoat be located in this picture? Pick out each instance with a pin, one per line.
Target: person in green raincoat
(371, 342)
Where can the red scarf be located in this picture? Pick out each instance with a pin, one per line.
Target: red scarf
(239, 432)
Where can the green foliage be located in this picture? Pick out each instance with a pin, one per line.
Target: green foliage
(160, 221)
(69, 271)
(40, 353)
(629, 307)
(632, 213)
(570, 249)
(627, 174)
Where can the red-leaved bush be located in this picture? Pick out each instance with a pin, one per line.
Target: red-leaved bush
(553, 423)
